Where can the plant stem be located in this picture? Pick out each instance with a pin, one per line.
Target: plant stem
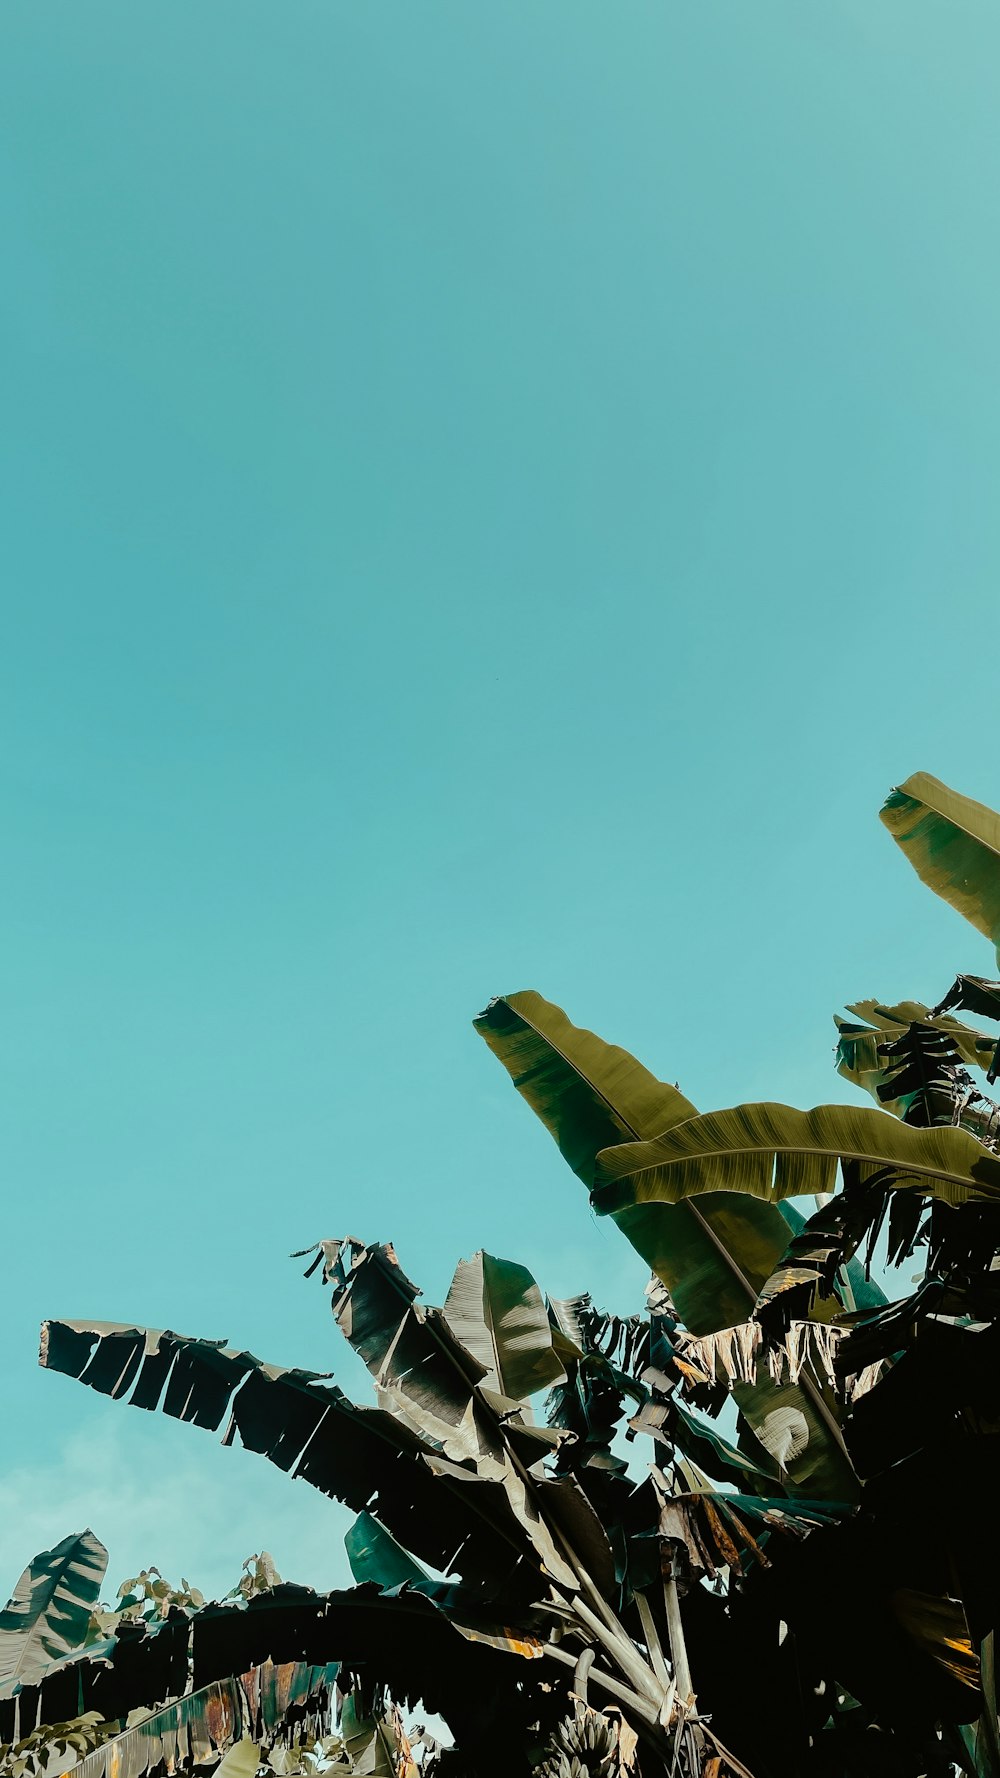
(675, 1630)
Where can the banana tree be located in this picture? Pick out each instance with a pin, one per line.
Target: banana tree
(758, 1598)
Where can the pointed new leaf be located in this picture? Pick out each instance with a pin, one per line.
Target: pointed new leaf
(953, 844)
(497, 1311)
(48, 1616)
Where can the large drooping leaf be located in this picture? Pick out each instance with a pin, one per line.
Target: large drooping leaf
(235, 1669)
(953, 844)
(774, 1151)
(497, 1311)
(714, 1255)
(303, 1423)
(48, 1616)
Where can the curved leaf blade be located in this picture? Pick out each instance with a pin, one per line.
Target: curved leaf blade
(47, 1617)
(495, 1308)
(588, 1093)
(715, 1254)
(774, 1151)
(953, 844)
(303, 1423)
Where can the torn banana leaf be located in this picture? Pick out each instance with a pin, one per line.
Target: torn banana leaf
(858, 1046)
(304, 1424)
(190, 1733)
(953, 844)
(430, 1379)
(423, 1374)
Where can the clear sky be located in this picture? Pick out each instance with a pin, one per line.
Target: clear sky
(493, 496)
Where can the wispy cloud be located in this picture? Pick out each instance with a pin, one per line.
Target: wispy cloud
(165, 1494)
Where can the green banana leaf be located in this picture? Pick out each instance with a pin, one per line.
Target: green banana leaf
(189, 1733)
(859, 1290)
(858, 1058)
(774, 1151)
(715, 1255)
(375, 1555)
(953, 844)
(497, 1311)
(699, 1440)
(48, 1616)
(589, 1095)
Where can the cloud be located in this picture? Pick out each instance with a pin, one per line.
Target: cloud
(167, 1495)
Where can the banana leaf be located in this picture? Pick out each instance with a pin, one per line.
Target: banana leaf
(981, 1739)
(48, 1616)
(861, 1047)
(495, 1308)
(304, 1424)
(424, 1375)
(191, 1732)
(430, 1379)
(774, 1151)
(953, 844)
(590, 1095)
(715, 1255)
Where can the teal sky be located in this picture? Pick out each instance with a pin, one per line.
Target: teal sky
(493, 496)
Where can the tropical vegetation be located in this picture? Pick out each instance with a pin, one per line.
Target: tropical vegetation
(801, 1577)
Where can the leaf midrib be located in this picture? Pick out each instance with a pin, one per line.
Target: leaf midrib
(813, 1148)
